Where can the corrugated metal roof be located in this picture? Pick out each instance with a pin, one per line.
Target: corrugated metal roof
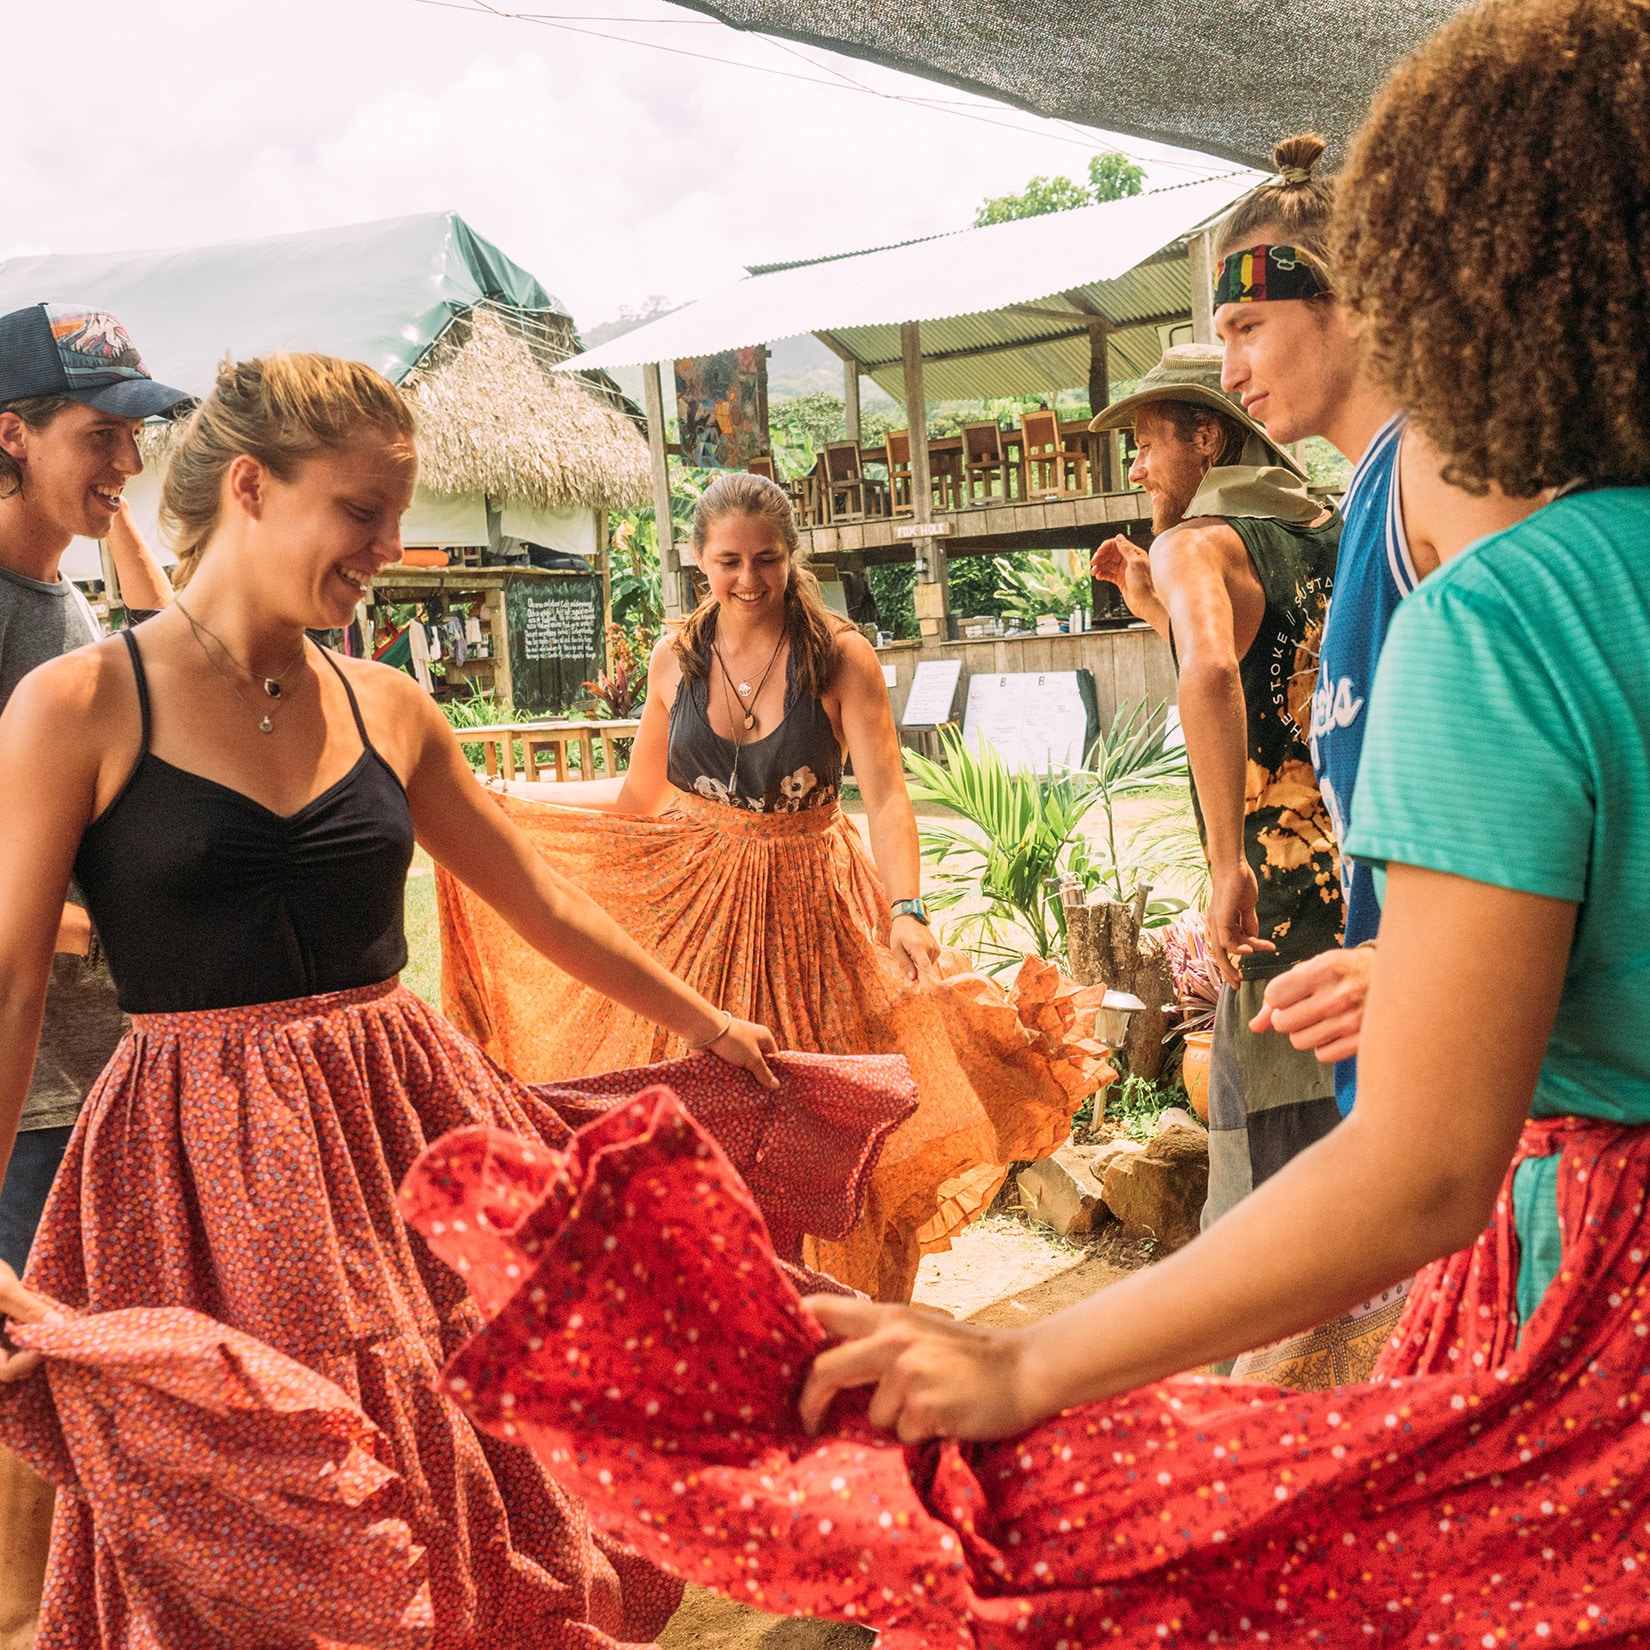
(1229, 79)
(963, 288)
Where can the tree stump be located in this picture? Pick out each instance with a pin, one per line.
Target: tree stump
(1108, 947)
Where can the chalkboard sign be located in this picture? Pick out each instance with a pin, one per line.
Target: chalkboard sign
(556, 643)
(1036, 719)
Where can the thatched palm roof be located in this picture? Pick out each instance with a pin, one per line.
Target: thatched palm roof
(492, 418)
(469, 335)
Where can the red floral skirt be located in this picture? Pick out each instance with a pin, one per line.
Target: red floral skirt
(1478, 1492)
(255, 1339)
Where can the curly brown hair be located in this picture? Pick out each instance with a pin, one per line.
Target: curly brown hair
(1493, 229)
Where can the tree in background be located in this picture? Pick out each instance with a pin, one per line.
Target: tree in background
(1111, 178)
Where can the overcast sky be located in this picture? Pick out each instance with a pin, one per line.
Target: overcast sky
(610, 169)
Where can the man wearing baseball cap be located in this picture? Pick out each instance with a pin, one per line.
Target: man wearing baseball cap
(73, 394)
(1238, 582)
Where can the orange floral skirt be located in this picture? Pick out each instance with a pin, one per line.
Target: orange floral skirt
(781, 918)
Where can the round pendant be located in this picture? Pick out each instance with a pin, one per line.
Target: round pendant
(266, 726)
(272, 687)
(745, 689)
(750, 721)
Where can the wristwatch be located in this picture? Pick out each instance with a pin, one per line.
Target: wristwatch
(911, 908)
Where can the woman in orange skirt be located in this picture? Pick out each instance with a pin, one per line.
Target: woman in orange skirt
(725, 854)
(239, 808)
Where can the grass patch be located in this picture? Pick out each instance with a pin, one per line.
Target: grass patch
(422, 975)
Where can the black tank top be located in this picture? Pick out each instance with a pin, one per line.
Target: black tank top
(798, 765)
(204, 898)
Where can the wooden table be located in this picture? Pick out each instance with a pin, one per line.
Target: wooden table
(498, 746)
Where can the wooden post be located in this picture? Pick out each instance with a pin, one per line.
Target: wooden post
(850, 398)
(1200, 270)
(934, 604)
(504, 687)
(762, 396)
(916, 418)
(604, 564)
(1100, 396)
(677, 591)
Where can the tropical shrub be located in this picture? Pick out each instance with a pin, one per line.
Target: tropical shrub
(1033, 584)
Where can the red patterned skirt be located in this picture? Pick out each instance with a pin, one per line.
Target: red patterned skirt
(1485, 1489)
(227, 1211)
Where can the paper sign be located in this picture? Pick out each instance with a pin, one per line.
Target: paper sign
(932, 689)
(1036, 720)
(890, 674)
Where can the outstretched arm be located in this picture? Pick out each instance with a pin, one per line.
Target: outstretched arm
(1122, 562)
(1453, 1039)
(1188, 569)
(868, 725)
(144, 586)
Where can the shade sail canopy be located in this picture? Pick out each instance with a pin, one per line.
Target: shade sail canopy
(1005, 309)
(375, 292)
(1228, 79)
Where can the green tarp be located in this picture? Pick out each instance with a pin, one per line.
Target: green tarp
(376, 292)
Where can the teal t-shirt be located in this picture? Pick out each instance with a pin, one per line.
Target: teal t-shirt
(1509, 742)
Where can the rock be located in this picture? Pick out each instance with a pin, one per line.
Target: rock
(1176, 1117)
(1063, 1191)
(1101, 1157)
(1160, 1192)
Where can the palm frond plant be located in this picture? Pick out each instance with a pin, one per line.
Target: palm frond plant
(1022, 833)
(1128, 759)
(1025, 834)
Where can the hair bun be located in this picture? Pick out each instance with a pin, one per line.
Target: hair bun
(1296, 156)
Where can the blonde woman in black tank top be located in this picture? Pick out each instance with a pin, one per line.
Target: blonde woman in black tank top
(725, 852)
(241, 807)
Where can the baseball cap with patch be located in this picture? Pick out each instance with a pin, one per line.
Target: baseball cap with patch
(83, 354)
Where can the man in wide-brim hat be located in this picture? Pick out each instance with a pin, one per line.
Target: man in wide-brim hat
(1238, 581)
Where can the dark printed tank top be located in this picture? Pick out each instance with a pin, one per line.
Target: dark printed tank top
(797, 766)
(1288, 838)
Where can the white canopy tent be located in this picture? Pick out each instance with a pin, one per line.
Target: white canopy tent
(1003, 309)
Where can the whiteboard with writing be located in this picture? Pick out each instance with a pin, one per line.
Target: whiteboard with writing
(1035, 719)
(932, 689)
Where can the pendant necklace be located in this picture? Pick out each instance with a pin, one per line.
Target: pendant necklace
(272, 685)
(746, 693)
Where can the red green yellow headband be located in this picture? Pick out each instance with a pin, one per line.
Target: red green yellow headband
(1264, 275)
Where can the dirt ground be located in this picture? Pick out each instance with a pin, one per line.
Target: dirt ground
(1001, 1272)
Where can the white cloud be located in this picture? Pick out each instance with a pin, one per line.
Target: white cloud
(610, 170)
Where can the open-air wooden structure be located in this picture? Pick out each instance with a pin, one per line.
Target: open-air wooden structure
(1084, 298)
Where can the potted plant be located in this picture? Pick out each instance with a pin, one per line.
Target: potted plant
(1197, 990)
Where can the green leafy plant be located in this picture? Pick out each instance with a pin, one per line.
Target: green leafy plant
(1033, 584)
(621, 688)
(1136, 1103)
(1128, 760)
(1030, 828)
(1111, 177)
(479, 710)
(1023, 832)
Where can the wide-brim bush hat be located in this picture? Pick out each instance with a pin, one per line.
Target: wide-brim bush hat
(1191, 373)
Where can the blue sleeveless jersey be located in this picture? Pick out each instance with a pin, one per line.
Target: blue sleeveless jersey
(1373, 574)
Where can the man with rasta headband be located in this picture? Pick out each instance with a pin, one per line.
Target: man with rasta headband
(1237, 582)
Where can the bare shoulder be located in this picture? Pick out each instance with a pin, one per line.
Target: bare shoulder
(857, 661)
(1201, 536)
(664, 667)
